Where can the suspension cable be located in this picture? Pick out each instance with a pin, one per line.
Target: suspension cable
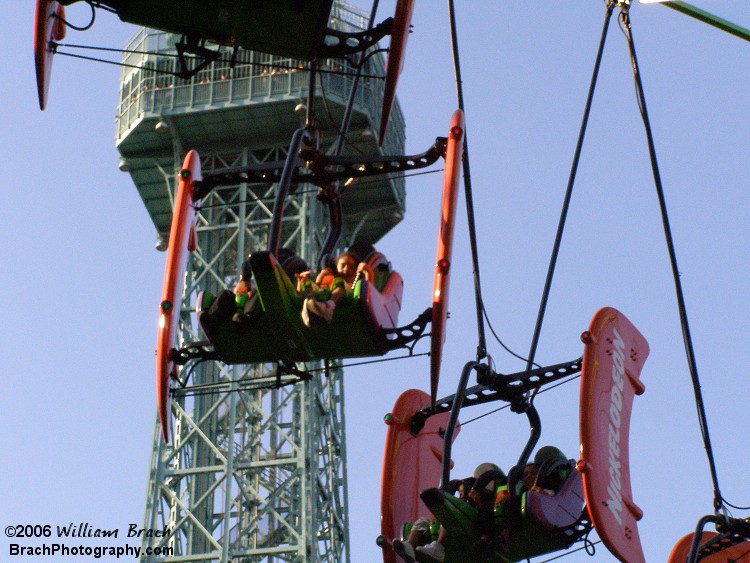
(588, 545)
(217, 388)
(482, 344)
(568, 192)
(338, 146)
(687, 340)
(507, 405)
(499, 340)
(279, 66)
(335, 210)
(79, 27)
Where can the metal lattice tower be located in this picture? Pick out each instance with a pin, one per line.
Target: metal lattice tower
(256, 470)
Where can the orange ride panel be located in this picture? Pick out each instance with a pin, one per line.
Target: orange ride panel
(739, 553)
(48, 26)
(410, 465)
(453, 158)
(613, 357)
(399, 36)
(181, 243)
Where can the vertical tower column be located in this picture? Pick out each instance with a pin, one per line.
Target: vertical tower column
(255, 471)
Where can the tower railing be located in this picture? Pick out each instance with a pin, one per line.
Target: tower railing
(153, 89)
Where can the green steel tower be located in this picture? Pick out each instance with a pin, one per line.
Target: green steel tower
(256, 468)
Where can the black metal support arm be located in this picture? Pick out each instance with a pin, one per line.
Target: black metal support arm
(300, 137)
(498, 387)
(535, 425)
(339, 44)
(204, 57)
(322, 169)
(405, 336)
(731, 532)
(453, 420)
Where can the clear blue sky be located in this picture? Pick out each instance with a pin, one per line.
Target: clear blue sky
(81, 279)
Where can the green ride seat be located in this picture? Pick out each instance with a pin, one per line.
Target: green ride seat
(277, 332)
(541, 517)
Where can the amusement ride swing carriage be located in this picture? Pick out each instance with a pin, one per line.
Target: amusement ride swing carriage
(364, 326)
(591, 492)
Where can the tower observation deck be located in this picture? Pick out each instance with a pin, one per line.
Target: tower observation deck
(256, 468)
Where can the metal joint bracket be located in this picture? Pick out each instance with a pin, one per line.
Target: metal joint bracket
(401, 337)
(340, 43)
(322, 169)
(500, 387)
